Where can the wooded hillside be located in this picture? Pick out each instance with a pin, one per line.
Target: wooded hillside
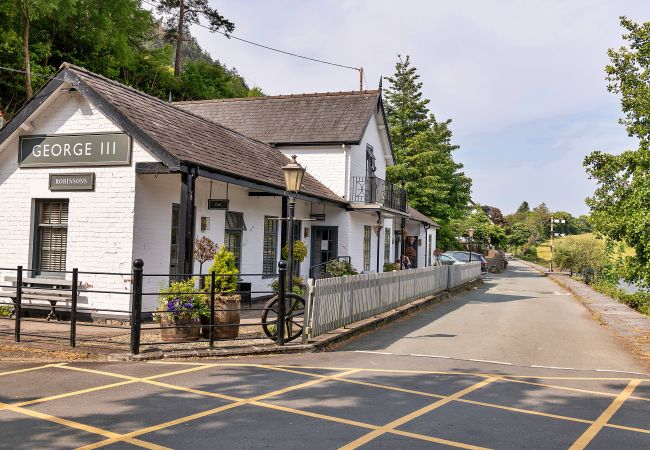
(117, 38)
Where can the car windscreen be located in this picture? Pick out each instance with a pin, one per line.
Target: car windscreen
(461, 256)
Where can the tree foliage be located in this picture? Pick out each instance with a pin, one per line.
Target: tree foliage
(621, 203)
(406, 110)
(580, 254)
(180, 14)
(523, 208)
(117, 39)
(435, 183)
(485, 232)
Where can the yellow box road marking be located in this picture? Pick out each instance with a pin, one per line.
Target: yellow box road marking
(356, 423)
(598, 424)
(68, 394)
(11, 372)
(415, 414)
(474, 402)
(582, 391)
(78, 426)
(216, 410)
(318, 378)
(478, 374)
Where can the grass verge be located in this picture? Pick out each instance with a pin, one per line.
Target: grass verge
(636, 300)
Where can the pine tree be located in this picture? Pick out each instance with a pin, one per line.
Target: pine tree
(185, 13)
(523, 208)
(435, 184)
(406, 110)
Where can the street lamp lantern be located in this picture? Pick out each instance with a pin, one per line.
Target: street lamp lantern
(470, 232)
(293, 173)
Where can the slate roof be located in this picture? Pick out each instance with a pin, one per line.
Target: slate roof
(416, 215)
(188, 138)
(320, 118)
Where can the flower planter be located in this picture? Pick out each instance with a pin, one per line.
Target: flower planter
(179, 328)
(221, 317)
(226, 312)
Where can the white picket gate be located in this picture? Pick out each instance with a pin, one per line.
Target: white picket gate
(336, 302)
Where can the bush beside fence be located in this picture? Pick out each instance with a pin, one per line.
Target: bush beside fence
(337, 302)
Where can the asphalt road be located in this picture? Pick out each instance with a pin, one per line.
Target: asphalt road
(516, 317)
(424, 382)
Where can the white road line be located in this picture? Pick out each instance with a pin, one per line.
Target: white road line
(419, 355)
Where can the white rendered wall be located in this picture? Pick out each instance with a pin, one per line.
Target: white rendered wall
(327, 163)
(100, 224)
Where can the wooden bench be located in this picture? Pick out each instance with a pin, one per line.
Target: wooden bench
(51, 290)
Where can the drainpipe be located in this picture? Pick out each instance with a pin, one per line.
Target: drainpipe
(378, 241)
(346, 171)
(403, 240)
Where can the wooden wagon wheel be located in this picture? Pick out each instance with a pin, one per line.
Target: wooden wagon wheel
(294, 317)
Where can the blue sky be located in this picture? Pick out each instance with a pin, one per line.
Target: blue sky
(523, 81)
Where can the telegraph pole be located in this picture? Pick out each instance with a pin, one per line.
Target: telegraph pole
(361, 79)
(554, 221)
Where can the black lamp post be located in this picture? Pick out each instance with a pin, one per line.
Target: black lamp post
(293, 173)
(470, 233)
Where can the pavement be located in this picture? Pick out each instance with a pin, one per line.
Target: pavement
(626, 323)
(514, 364)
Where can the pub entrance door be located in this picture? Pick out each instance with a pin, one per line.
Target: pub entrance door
(324, 248)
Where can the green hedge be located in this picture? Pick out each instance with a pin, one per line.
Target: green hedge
(637, 300)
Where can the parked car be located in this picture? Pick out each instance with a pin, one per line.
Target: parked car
(447, 260)
(464, 258)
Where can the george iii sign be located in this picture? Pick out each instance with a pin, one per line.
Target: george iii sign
(73, 150)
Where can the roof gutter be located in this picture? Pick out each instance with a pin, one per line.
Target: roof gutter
(206, 172)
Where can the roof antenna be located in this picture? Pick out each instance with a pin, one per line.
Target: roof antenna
(170, 96)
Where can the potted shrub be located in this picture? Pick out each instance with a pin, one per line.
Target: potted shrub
(226, 303)
(391, 267)
(180, 310)
(339, 268)
(298, 286)
(204, 250)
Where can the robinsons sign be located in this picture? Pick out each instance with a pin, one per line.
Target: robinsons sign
(72, 181)
(70, 150)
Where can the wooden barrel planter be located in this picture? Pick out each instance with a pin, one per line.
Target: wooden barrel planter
(179, 328)
(227, 313)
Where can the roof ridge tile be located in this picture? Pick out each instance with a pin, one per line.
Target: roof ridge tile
(282, 96)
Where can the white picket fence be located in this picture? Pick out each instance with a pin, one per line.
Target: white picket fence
(336, 302)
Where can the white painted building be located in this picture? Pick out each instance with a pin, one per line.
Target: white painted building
(70, 202)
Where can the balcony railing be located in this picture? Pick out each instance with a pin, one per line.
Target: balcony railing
(369, 190)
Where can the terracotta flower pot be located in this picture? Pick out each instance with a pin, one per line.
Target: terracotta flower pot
(179, 328)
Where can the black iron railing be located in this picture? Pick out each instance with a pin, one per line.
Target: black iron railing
(369, 190)
(318, 271)
(280, 318)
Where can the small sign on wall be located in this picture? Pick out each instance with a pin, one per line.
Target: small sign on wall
(317, 217)
(218, 203)
(72, 182)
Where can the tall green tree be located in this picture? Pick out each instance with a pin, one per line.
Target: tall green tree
(406, 110)
(183, 13)
(620, 206)
(434, 182)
